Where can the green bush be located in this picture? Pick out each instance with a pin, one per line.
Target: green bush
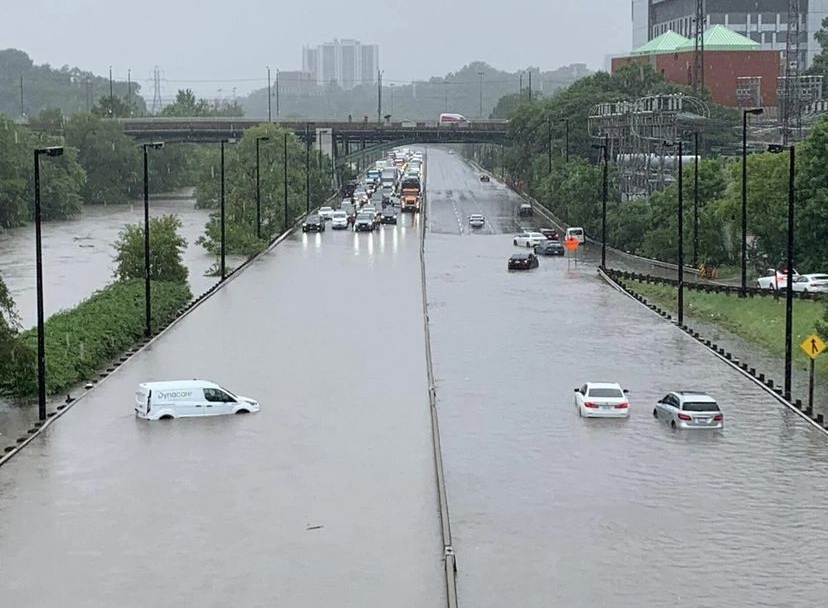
(81, 341)
(166, 251)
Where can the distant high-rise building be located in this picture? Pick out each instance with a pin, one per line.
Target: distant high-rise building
(765, 21)
(347, 63)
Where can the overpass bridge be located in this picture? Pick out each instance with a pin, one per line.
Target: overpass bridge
(347, 135)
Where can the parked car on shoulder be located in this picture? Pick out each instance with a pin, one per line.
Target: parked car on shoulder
(689, 410)
(484, 178)
(477, 220)
(811, 283)
(548, 247)
(528, 239)
(313, 223)
(525, 209)
(523, 261)
(774, 279)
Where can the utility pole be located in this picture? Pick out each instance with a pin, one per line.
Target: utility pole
(696, 200)
(277, 93)
(307, 169)
(111, 96)
(286, 181)
(269, 96)
(22, 107)
(480, 73)
(129, 90)
(530, 85)
(379, 96)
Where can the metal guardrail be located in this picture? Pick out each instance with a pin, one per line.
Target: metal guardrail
(710, 287)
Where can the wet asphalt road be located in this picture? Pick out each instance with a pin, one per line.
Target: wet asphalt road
(324, 498)
(548, 509)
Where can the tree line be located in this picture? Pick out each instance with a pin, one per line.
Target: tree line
(647, 226)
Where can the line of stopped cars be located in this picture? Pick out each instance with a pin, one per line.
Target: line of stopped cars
(681, 410)
(390, 186)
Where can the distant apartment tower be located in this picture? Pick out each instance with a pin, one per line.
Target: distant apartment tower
(763, 21)
(347, 63)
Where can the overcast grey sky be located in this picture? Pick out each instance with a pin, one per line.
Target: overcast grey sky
(204, 40)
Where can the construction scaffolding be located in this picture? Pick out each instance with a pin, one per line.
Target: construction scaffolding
(636, 132)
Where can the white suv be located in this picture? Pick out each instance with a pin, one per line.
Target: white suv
(689, 410)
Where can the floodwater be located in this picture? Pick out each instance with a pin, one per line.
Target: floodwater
(549, 509)
(326, 497)
(78, 255)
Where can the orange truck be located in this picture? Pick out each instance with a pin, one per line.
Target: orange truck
(410, 192)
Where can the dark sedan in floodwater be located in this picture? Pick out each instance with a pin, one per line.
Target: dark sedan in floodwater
(313, 223)
(549, 248)
(523, 261)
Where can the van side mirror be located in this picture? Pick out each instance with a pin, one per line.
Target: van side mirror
(659, 401)
(626, 391)
(577, 390)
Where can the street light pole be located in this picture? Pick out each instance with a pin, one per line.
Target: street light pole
(223, 251)
(147, 268)
(307, 168)
(41, 330)
(480, 73)
(566, 157)
(259, 188)
(789, 289)
(604, 194)
(696, 199)
(754, 111)
(549, 142)
(286, 181)
(679, 145)
(277, 93)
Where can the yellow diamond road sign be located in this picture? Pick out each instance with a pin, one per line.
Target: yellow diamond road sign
(813, 346)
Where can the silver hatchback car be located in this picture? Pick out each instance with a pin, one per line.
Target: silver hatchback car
(689, 410)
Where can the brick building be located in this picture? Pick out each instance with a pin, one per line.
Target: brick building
(737, 72)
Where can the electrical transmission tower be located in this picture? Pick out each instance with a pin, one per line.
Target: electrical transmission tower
(791, 97)
(156, 93)
(698, 55)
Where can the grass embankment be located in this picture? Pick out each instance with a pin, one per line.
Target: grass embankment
(82, 341)
(759, 320)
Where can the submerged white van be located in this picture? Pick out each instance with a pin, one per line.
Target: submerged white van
(188, 398)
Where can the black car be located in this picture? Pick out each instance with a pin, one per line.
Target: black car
(550, 233)
(313, 223)
(525, 209)
(389, 216)
(484, 178)
(550, 248)
(523, 261)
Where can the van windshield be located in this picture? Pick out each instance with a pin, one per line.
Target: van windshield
(231, 393)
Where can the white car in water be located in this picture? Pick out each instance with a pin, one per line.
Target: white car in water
(326, 213)
(775, 279)
(339, 220)
(528, 239)
(689, 410)
(602, 400)
(477, 220)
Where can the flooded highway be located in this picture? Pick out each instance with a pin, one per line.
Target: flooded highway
(326, 497)
(548, 509)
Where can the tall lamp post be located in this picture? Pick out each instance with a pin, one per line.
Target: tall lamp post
(156, 145)
(223, 232)
(789, 264)
(480, 73)
(259, 188)
(549, 143)
(696, 199)
(307, 167)
(52, 151)
(678, 144)
(605, 150)
(566, 145)
(286, 181)
(755, 112)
